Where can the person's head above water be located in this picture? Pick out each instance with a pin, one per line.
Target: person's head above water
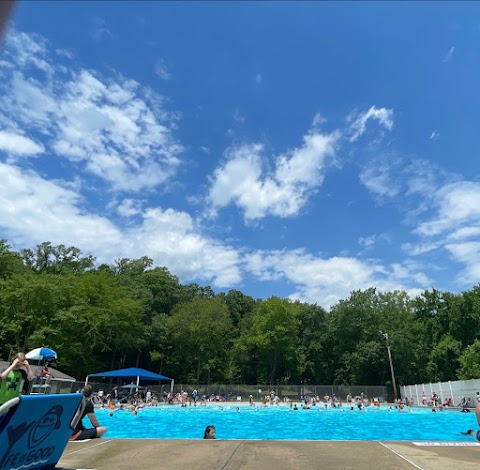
(209, 432)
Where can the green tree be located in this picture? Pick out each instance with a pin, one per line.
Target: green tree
(27, 308)
(132, 267)
(239, 305)
(200, 337)
(56, 259)
(444, 360)
(313, 341)
(470, 362)
(10, 262)
(350, 322)
(193, 290)
(105, 318)
(165, 289)
(275, 335)
(465, 324)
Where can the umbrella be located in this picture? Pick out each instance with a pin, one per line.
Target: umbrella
(41, 354)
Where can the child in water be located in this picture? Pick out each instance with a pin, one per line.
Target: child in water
(209, 432)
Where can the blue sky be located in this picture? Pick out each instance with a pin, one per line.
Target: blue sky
(299, 149)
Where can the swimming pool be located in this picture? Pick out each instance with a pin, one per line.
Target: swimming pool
(282, 423)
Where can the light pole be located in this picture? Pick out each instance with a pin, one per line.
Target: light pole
(385, 335)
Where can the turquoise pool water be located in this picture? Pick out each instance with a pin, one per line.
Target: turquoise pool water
(282, 423)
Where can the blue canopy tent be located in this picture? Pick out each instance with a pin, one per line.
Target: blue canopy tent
(132, 373)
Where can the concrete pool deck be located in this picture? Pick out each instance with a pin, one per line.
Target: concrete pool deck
(118, 454)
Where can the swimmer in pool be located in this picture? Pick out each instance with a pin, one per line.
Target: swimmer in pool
(471, 432)
(209, 432)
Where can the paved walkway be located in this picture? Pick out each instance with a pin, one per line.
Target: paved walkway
(118, 454)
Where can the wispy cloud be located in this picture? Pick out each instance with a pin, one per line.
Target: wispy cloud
(161, 70)
(435, 135)
(129, 207)
(99, 30)
(327, 280)
(458, 203)
(453, 225)
(239, 117)
(367, 242)
(467, 253)
(383, 115)
(65, 53)
(318, 120)
(111, 127)
(378, 179)
(449, 55)
(391, 175)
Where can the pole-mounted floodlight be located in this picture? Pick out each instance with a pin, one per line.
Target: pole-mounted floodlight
(385, 335)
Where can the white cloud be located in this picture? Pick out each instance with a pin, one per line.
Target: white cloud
(383, 115)
(65, 53)
(129, 207)
(161, 70)
(33, 210)
(467, 253)
(408, 271)
(243, 181)
(458, 203)
(420, 249)
(111, 127)
(449, 55)
(18, 144)
(239, 117)
(26, 51)
(465, 233)
(391, 176)
(455, 227)
(377, 178)
(318, 120)
(170, 237)
(435, 135)
(326, 281)
(367, 242)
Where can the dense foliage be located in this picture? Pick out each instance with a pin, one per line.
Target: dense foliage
(134, 314)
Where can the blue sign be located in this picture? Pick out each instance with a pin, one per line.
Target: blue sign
(35, 432)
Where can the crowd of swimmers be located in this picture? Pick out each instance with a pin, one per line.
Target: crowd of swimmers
(19, 372)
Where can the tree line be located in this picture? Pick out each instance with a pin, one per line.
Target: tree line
(132, 313)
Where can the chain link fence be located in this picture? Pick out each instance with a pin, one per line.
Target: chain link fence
(242, 392)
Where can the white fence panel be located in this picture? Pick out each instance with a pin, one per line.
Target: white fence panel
(460, 391)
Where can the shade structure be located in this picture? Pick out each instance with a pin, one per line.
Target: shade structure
(132, 373)
(41, 354)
